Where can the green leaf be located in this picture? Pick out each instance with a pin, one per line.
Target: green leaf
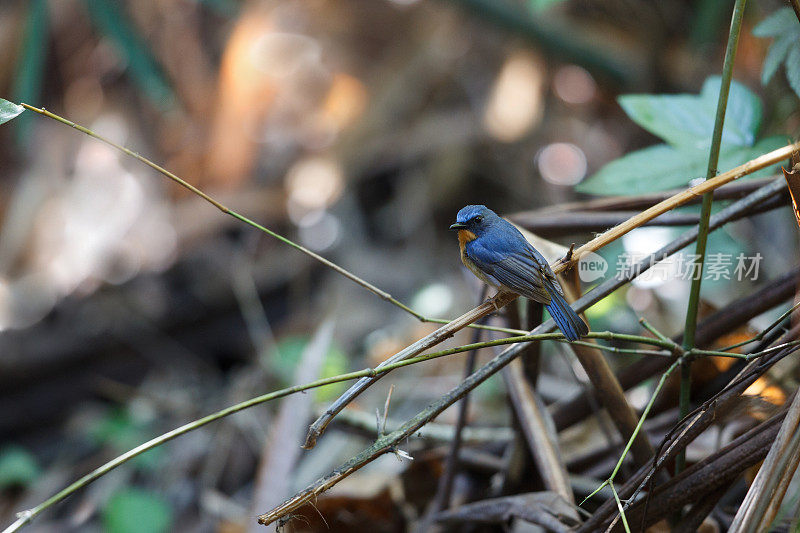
(17, 467)
(663, 167)
(687, 121)
(9, 110)
(654, 168)
(777, 23)
(793, 69)
(778, 51)
(135, 510)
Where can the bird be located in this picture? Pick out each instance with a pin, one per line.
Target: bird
(499, 255)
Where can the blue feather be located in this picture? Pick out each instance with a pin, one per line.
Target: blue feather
(567, 320)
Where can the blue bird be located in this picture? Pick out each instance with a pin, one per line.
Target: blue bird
(497, 253)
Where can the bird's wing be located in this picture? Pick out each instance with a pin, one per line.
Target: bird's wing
(522, 272)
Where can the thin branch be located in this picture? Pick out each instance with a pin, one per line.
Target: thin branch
(612, 397)
(387, 443)
(685, 432)
(614, 349)
(732, 191)
(646, 411)
(763, 333)
(363, 423)
(706, 477)
(538, 430)
(485, 372)
(330, 264)
(733, 315)
(551, 225)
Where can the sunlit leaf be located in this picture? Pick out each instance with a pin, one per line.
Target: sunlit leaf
(793, 68)
(9, 110)
(135, 510)
(663, 167)
(686, 120)
(777, 23)
(650, 169)
(775, 56)
(17, 467)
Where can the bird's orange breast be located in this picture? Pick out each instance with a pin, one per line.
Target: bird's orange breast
(465, 236)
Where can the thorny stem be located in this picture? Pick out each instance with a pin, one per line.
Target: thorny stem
(705, 214)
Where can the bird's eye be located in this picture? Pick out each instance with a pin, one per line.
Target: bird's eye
(478, 219)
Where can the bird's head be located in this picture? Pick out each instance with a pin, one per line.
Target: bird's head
(475, 219)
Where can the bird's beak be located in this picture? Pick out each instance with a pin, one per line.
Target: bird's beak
(458, 225)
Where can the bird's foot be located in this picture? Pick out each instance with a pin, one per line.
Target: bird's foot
(494, 300)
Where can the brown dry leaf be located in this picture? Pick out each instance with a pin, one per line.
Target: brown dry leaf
(793, 182)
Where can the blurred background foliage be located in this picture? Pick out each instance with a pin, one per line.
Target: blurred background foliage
(357, 128)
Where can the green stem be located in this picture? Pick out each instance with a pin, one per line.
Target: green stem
(705, 214)
(639, 425)
(621, 510)
(330, 264)
(763, 333)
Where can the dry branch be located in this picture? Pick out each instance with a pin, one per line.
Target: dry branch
(539, 431)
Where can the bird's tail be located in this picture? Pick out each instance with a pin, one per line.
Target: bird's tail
(567, 320)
